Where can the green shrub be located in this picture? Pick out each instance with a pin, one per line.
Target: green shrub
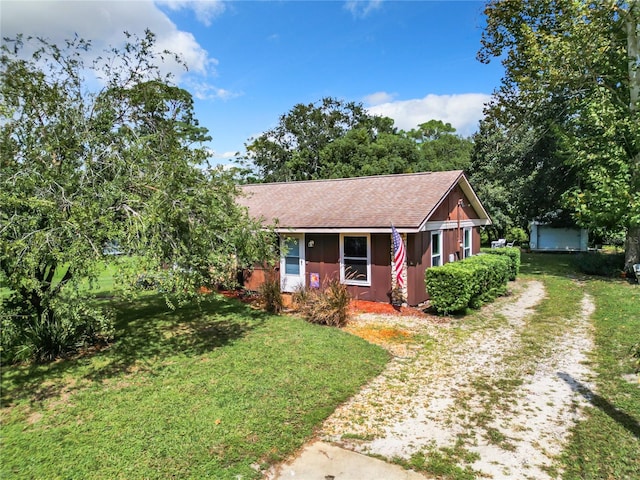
(468, 283)
(602, 264)
(62, 329)
(493, 273)
(518, 235)
(513, 253)
(328, 306)
(270, 293)
(450, 287)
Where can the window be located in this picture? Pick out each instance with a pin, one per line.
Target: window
(292, 257)
(436, 249)
(355, 252)
(467, 242)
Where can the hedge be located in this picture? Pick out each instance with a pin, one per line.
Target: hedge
(469, 283)
(513, 253)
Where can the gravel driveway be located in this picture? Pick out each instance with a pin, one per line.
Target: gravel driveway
(488, 395)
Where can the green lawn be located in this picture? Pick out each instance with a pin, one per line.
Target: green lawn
(103, 285)
(215, 392)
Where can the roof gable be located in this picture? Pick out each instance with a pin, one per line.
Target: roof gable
(405, 200)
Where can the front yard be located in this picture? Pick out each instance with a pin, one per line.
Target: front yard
(536, 385)
(214, 393)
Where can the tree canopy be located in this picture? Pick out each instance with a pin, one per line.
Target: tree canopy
(334, 139)
(440, 147)
(571, 83)
(106, 153)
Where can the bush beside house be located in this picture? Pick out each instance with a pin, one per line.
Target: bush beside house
(472, 282)
(513, 253)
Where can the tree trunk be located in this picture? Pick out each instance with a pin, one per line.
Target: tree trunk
(632, 248)
(632, 243)
(633, 52)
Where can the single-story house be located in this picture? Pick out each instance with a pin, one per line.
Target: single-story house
(546, 237)
(342, 228)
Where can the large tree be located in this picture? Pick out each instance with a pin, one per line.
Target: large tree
(333, 138)
(571, 72)
(440, 147)
(292, 149)
(521, 174)
(375, 149)
(97, 153)
(328, 139)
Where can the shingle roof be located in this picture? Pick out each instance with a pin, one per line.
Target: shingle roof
(404, 200)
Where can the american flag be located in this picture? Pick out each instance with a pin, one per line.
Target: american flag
(399, 256)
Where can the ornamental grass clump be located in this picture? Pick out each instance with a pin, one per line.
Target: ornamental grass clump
(328, 306)
(270, 293)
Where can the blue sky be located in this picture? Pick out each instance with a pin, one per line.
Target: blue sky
(252, 61)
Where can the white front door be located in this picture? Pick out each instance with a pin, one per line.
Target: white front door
(292, 262)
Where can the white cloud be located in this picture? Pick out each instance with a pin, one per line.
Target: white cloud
(462, 111)
(378, 98)
(206, 91)
(362, 8)
(103, 22)
(205, 10)
(226, 155)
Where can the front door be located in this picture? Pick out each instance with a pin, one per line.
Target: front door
(292, 262)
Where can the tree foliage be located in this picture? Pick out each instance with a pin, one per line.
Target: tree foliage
(440, 147)
(337, 139)
(571, 78)
(104, 153)
(292, 150)
(520, 176)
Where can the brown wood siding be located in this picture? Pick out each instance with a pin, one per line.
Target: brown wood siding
(418, 260)
(448, 209)
(253, 279)
(323, 257)
(450, 245)
(475, 241)
(380, 289)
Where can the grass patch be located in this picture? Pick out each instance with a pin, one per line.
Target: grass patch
(211, 392)
(444, 463)
(607, 443)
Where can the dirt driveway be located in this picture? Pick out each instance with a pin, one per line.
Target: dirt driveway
(493, 398)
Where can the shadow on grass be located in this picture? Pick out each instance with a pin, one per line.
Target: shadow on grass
(573, 265)
(556, 264)
(623, 419)
(148, 333)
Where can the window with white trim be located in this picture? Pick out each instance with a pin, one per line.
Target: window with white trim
(436, 249)
(355, 259)
(467, 242)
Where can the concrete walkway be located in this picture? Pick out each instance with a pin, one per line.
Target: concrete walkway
(323, 461)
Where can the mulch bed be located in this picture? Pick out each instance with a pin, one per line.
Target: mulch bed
(239, 295)
(356, 306)
(365, 306)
